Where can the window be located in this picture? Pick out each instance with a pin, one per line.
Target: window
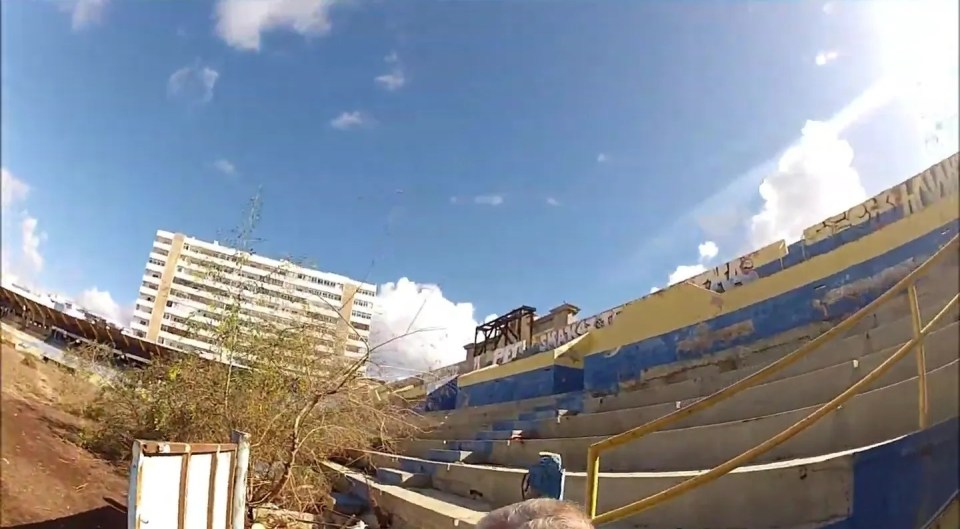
(362, 315)
(361, 326)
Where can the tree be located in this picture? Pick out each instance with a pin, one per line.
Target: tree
(282, 375)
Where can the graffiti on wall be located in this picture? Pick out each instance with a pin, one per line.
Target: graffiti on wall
(556, 337)
(916, 194)
(738, 272)
(502, 355)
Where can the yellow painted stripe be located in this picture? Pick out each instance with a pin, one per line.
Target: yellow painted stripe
(685, 304)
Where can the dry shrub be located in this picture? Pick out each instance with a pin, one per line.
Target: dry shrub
(299, 397)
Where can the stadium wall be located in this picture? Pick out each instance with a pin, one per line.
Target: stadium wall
(839, 266)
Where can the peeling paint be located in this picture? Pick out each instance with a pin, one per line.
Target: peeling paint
(703, 337)
(875, 283)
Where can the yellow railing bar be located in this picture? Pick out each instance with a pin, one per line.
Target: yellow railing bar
(780, 438)
(921, 355)
(593, 452)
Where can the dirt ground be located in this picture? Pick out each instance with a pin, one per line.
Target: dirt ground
(47, 481)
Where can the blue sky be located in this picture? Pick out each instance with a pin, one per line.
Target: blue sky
(493, 153)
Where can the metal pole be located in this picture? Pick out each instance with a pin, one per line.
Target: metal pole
(593, 481)
(239, 499)
(921, 355)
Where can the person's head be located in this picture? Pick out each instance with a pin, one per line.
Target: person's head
(541, 513)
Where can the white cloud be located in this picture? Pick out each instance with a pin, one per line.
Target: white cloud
(814, 180)
(84, 13)
(350, 120)
(552, 201)
(419, 328)
(100, 302)
(242, 23)
(193, 84)
(488, 200)
(654, 289)
(12, 189)
(684, 272)
(30, 243)
(391, 81)
(602, 158)
(825, 57)
(708, 250)
(225, 166)
(395, 78)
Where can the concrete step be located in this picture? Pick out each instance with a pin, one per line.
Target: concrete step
(780, 395)
(933, 291)
(706, 379)
(410, 508)
(501, 435)
(870, 417)
(400, 478)
(450, 456)
(887, 485)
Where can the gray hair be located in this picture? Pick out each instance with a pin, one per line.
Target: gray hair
(540, 513)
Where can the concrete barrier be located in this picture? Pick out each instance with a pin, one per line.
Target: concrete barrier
(691, 387)
(868, 418)
(888, 485)
(782, 394)
(933, 294)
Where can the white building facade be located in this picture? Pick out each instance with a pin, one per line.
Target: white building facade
(178, 288)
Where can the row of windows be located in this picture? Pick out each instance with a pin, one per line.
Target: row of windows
(223, 306)
(288, 273)
(233, 258)
(264, 279)
(362, 315)
(155, 261)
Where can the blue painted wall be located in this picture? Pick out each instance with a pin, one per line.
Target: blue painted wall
(531, 384)
(603, 373)
(901, 485)
(444, 397)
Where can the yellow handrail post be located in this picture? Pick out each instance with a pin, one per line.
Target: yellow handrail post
(921, 355)
(593, 480)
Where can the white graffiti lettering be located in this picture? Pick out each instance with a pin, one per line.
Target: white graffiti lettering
(557, 337)
(914, 195)
(729, 275)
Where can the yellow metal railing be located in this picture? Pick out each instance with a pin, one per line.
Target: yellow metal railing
(920, 331)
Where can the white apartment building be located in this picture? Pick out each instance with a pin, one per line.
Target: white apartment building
(177, 288)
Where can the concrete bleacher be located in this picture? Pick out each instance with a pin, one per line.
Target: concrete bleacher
(866, 465)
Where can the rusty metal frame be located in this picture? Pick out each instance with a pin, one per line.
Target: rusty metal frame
(502, 327)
